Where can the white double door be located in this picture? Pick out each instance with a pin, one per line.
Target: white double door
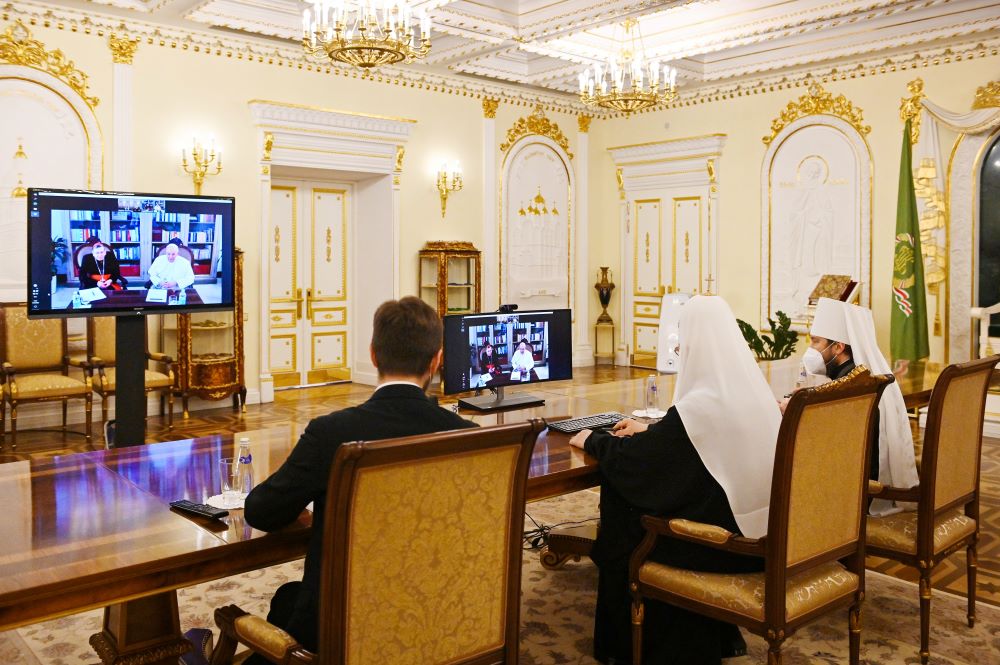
(308, 243)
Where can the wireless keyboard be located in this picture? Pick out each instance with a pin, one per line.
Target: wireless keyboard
(587, 422)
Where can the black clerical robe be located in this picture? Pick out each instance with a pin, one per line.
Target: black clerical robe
(657, 472)
(839, 372)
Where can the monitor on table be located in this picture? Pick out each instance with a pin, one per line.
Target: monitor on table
(96, 253)
(501, 350)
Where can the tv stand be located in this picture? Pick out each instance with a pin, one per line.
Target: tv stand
(501, 401)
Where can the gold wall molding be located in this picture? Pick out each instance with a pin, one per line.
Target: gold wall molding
(18, 48)
(818, 101)
(910, 108)
(987, 96)
(490, 106)
(122, 48)
(583, 122)
(539, 125)
(268, 146)
(400, 153)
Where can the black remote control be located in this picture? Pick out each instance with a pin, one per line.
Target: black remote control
(200, 509)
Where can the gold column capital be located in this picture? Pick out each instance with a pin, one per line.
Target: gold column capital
(122, 48)
(268, 146)
(583, 122)
(910, 107)
(400, 153)
(490, 106)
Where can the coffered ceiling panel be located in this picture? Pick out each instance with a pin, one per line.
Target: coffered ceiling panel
(546, 43)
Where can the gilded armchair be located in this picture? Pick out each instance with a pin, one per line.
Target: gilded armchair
(437, 577)
(947, 515)
(821, 460)
(101, 356)
(36, 366)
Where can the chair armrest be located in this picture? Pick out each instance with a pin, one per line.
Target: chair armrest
(96, 361)
(708, 535)
(262, 637)
(8, 369)
(82, 363)
(890, 493)
(156, 356)
(875, 488)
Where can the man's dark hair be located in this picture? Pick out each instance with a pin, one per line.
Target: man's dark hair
(406, 336)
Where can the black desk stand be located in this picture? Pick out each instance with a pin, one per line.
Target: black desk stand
(130, 380)
(500, 401)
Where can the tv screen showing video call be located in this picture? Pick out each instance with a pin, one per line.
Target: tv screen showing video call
(93, 253)
(494, 350)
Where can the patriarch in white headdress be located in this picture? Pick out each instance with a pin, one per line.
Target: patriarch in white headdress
(728, 409)
(854, 326)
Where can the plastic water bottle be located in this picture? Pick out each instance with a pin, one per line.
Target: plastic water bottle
(245, 471)
(182, 297)
(652, 399)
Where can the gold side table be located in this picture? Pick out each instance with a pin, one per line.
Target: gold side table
(606, 331)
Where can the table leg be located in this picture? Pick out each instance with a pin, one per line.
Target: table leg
(144, 631)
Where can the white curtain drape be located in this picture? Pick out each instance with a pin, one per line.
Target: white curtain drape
(972, 122)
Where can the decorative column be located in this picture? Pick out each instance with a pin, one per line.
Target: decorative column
(264, 308)
(624, 315)
(122, 51)
(491, 257)
(397, 173)
(583, 352)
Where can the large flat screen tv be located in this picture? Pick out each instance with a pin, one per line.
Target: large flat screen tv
(96, 253)
(498, 351)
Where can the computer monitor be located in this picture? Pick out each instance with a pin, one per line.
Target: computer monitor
(498, 351)
(95, 253)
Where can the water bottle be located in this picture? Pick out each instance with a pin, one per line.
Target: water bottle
(182, 297)
(245, 471)
(652, 399)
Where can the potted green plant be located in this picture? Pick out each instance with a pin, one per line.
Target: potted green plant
(779, 344)
(59, 255)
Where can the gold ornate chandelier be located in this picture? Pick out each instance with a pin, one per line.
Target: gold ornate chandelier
(628, 82)
(365, 33)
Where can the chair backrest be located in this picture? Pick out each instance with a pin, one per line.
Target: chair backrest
(423, 548)
(31, 345)
(101, 338)
(949, 466)
(182, 251)
(819, 486)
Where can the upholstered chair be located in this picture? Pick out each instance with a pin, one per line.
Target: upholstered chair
(36, 366)
(101, 360)
(814, 558)
(947, 499)
(422, 554)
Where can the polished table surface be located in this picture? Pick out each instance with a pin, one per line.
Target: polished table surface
(91, 529)
(137, 298)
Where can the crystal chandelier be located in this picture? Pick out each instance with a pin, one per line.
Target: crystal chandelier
(365, 33)
(628, 83)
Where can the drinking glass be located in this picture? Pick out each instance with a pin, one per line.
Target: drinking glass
(652, 398)
(230, 480)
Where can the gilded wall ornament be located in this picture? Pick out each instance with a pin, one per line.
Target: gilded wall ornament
(18, 48)
(583, 122)
(490, 106)
(536, 124)
(988, 96)
(400, 153)
(268, 146)
(818, 101)
(122, 49)
(910, 108)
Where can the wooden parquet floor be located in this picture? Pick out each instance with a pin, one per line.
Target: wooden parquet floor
(295, 408)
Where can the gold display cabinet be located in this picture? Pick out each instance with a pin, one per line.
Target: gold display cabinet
(450, 277)
(209, 350)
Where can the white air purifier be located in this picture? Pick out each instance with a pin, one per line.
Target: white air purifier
(668, 360)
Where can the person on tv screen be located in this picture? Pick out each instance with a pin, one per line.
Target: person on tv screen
(100, 269)
(170, 271)
(488, 361)
(522, 360)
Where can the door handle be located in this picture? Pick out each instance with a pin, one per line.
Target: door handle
(309, 304)
(298, 303)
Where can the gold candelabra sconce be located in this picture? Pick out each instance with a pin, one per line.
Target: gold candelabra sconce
(448, 182)
(202, 160)
(19, 192)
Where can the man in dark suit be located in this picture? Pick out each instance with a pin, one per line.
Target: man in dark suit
(406, 350)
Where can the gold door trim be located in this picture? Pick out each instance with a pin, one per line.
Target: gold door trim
(659, 249)
(295, 356)
(673, 278)
(343, 244)
(652, 310)
(329, 316)
(294, 193)
(343, 343)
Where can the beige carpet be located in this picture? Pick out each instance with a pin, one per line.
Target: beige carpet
(556, 617)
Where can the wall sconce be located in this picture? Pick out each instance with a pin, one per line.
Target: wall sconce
(448, 182)
(20, 156)
(202, 159)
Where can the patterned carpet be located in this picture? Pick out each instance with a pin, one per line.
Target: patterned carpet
(556, 616)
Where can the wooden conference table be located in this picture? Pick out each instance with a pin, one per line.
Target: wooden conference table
(137, 298)
(94, 529)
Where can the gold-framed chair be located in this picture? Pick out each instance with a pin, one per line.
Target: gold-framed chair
(947, 498)
(101, 356)
(821, 460)
(36, 366)
(421, 554)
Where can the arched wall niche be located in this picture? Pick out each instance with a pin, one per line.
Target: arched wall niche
(816, 203)
(49, 137)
